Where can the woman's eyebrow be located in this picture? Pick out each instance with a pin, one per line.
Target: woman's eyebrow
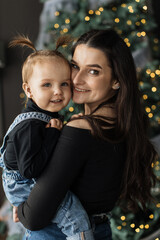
(94, 65)
(73, 61)
(88, 65)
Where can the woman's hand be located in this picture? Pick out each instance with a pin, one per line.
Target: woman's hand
(77, 115)
(55, 123)
(15, 214)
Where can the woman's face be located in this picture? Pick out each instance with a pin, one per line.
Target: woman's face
(91, 76)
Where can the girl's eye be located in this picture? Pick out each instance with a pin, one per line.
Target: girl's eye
(94, 72)
(65, 84)
(46, 84)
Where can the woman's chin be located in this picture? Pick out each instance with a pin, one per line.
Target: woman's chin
(77, 100)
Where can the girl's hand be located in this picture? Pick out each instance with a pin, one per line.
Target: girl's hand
(56, 123)
(15, 214)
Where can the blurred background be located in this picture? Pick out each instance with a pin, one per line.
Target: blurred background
(138, 22)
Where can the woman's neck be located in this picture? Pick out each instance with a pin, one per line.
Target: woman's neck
(107, 111)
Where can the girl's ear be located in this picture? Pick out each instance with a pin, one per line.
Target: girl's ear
(115, 85)
(27, 90)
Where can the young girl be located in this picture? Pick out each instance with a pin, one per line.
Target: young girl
(30, 140)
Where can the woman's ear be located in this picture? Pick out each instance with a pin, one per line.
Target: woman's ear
(27, 90)
(115, 85)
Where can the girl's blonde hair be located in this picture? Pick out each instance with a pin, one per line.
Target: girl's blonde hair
(38, 55)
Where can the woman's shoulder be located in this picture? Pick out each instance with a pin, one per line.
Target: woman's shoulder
(79, 123)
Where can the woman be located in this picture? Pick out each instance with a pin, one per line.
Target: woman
(105, 154)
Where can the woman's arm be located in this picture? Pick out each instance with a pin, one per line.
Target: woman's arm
(65, 165)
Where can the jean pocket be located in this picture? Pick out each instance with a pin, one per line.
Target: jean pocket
(27, 235)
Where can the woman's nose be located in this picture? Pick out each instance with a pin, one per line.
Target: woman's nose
(77, 78)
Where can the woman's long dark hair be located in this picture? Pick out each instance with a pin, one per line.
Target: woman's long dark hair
(130, 123)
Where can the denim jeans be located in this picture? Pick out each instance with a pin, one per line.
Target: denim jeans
(71, 217)
(102, 231)
(16, 187)
(52, 232)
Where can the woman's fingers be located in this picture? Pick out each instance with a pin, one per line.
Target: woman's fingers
(56, 123)
(77, 115)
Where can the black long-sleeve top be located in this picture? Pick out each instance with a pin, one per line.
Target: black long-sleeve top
(30, 144)
(89, 167)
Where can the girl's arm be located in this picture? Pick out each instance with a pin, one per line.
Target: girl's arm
(33, 145)
(65, 165)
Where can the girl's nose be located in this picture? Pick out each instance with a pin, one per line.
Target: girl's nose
(57, 91)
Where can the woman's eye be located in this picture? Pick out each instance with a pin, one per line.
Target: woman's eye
(46, 84)
(94, 72)
(74, 66)
(65, 84)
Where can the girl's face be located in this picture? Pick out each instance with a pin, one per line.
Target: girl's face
(91, 76)
(49, 85)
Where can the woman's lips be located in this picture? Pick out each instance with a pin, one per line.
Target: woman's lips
(80, 90)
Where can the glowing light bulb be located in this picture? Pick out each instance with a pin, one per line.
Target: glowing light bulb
(152, 75)
(141, 226)
(56, 25)
(22, 95)
(148, 71)
(129, 22)
(114, 9)
(56, 13)
(67, 20)
(123, 218)
(154, 89)
(71, 109)
(97, 12)
(101, 9)
(143, 34)
(145, 8)
(119, 227)
(117, 20)
(65, 30)
(153, 107)
(150, 115)
(91, 12)
(151, 216)
(132, 225)
(138, 23)
(87, 18)
(147, 109)
(143, 21)
(145, 97)
(146, 226)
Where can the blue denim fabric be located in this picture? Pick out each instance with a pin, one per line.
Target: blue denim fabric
(16, 187)
(51, 232)
(102, 231)
(71, 218)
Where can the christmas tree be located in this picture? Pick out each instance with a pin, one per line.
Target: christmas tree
(136, 25)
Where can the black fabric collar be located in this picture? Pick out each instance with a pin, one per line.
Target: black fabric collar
(32, 107)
